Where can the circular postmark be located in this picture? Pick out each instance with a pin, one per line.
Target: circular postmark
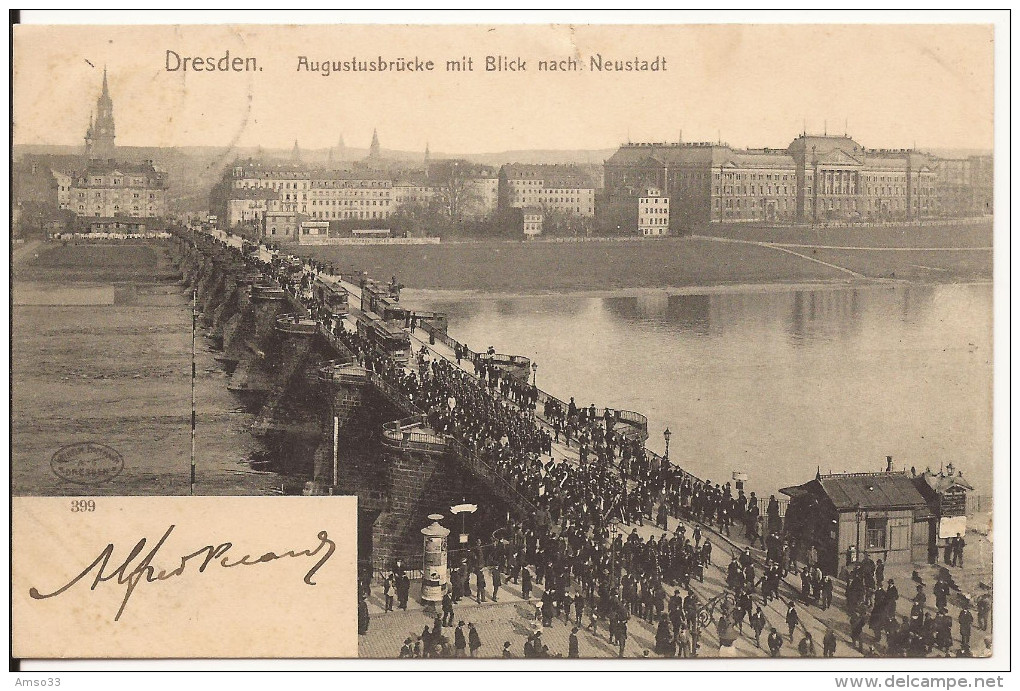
(87, 463)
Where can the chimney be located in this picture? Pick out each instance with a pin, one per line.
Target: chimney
(888, 464)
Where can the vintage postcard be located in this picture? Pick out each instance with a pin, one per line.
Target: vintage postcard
(531, 341)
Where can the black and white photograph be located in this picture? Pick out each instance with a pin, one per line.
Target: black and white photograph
(661, 341)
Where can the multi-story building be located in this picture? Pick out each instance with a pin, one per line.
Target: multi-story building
(531, 221)
(652, 213)
(964, 185)
(113, 189)
(248, 206)
(816, 178)
(556, 188)
(257, 190)
(414, 189)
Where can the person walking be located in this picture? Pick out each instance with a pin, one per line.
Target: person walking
(775, 642)
(966, 621)
(460, 640)
(807, 645)
(403, 590)
(389, 585)
(829, 643)
(792, 619)
(481, 584)
(447, 609)
(573, 651)
(757, 621)
(474, 640)
(621, 635)
(363, 617)
(497, 581)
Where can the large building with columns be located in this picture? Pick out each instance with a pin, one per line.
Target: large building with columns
(814, 179)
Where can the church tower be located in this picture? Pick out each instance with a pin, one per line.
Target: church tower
(373, 150)
(99, 139)
(427, 159)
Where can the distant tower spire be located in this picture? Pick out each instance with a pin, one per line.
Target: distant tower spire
(99, 139)
(373, 149)
(295, 154)
(341, 149)
(427, 159)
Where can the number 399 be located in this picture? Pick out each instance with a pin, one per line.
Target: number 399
(83, 505)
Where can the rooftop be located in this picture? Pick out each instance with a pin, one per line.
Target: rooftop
(867, 491)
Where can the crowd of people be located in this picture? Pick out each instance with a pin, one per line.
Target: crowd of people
(596, 577)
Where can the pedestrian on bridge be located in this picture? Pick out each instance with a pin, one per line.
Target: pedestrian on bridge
(775, 642)
(497, 581)
(447, 609)
(474, 640)
(792, 619)
(481, 584)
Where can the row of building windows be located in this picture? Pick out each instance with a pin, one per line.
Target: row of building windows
(348, 214)
(363, 202)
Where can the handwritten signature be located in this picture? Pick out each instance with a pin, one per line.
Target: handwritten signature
(208, 554)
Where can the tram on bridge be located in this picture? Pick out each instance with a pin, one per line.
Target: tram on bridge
(332, 296)
(387, 338)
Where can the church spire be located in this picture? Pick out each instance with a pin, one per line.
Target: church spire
(373, 149)
(295, 154)
(427, 159)
(99, 139)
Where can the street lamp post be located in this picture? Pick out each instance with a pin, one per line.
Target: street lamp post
(861, 515)
(534, 374)
(666, 435)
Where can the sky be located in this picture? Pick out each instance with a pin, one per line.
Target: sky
(888, 86)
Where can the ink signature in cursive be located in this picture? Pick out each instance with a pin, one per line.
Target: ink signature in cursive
(204, 557)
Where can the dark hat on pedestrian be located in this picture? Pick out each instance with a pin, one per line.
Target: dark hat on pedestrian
(574, 630)
(460, 623)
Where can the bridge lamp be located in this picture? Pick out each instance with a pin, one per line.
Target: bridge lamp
(666, 435)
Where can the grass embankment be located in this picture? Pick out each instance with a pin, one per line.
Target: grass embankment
(539, 266)
(142, 262)
(668, 262)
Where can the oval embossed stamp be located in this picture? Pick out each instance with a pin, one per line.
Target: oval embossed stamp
(87, 463)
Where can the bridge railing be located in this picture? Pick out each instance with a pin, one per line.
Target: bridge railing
(409, 432)
(504, 481)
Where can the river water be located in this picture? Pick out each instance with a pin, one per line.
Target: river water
(776, 384)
